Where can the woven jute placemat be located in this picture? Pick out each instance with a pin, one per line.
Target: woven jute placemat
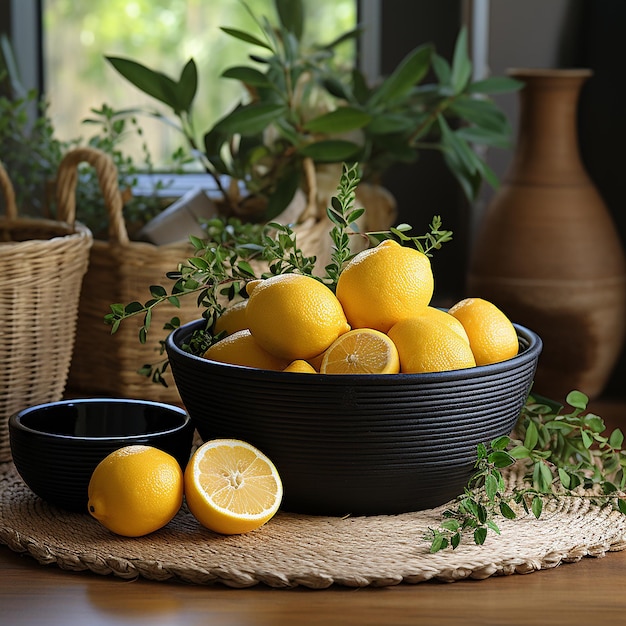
(309, 551)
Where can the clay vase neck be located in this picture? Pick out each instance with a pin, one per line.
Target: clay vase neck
(547, 151)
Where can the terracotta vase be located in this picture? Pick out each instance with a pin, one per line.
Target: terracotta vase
(547, 251)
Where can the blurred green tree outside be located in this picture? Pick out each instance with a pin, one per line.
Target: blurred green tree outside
(162, 34)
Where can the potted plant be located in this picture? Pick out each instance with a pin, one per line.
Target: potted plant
(32, 152)
(304, 112)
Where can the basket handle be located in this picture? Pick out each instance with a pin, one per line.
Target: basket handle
(9, 193)
(67, 177)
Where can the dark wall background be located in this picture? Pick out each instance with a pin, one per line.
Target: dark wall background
(602, 117)
(427, 188)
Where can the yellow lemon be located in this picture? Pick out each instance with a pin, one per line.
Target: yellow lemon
(300, 366)
(231, 487)
(491, 334)
(361, 351)
(447, 319)
(426, 344)
(382, 285)
(136, 490)
(232, 319)
(294, 316)
(241, 348)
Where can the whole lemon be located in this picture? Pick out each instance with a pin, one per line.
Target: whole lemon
(382, 285)
(136, 490)
(241, 348)
(491, 334)
(232, 319)
(426, 344)
(445, 318)
(293, 316)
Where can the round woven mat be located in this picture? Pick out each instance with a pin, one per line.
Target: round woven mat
(314, 552)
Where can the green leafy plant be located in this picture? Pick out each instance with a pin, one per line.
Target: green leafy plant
(32, 153)
(564, 454)
(302, 105)
(223, 263)
(112, 130)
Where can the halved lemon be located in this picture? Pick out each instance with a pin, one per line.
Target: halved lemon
(361, 351)
(231, 487)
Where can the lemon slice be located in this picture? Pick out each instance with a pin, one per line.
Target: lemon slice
(231, 487)
(361, 351)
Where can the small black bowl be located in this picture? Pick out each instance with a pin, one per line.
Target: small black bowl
(358, 443)
(56, 446)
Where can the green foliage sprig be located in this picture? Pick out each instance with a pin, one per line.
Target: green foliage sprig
(564, 454)
(224, 261)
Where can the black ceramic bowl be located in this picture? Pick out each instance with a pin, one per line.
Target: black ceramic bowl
(56, 446)
(358, 444)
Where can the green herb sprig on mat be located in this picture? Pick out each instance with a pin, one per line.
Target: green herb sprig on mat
(565, 454)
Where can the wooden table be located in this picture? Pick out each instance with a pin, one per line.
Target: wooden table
(592, 591)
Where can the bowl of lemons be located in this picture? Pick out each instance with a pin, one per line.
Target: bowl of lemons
(368, 399)
(56, 446)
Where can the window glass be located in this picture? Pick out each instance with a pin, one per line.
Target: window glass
(162, 34)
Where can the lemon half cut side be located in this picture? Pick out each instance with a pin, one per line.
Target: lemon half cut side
(231, 487)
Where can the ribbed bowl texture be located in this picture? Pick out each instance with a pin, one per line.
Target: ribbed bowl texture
(358, 444)
(56, 446)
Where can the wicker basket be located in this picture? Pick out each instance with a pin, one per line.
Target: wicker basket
(43, 264)
(120, 271)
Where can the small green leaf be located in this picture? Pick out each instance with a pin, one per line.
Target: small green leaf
(520, 452)
(491, 487)
(480, 535)
(157, 291)
(495, 85)
(461, 64)
(507, 511)
(247, 37)
(117, 309)
(501, 459)
(532, 436)
(330, 151)
(291, 15)
(409, 72)
(577, 399)
(341, 120)
(564, 477)
(133, 307)
(438, 543)
(248, 76)
(450, 524)
(621, 505)
(537, 506)
(251, 119)
(500, 443)
(616, 439)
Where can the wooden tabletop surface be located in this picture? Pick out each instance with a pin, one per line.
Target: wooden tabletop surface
(591, 591)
